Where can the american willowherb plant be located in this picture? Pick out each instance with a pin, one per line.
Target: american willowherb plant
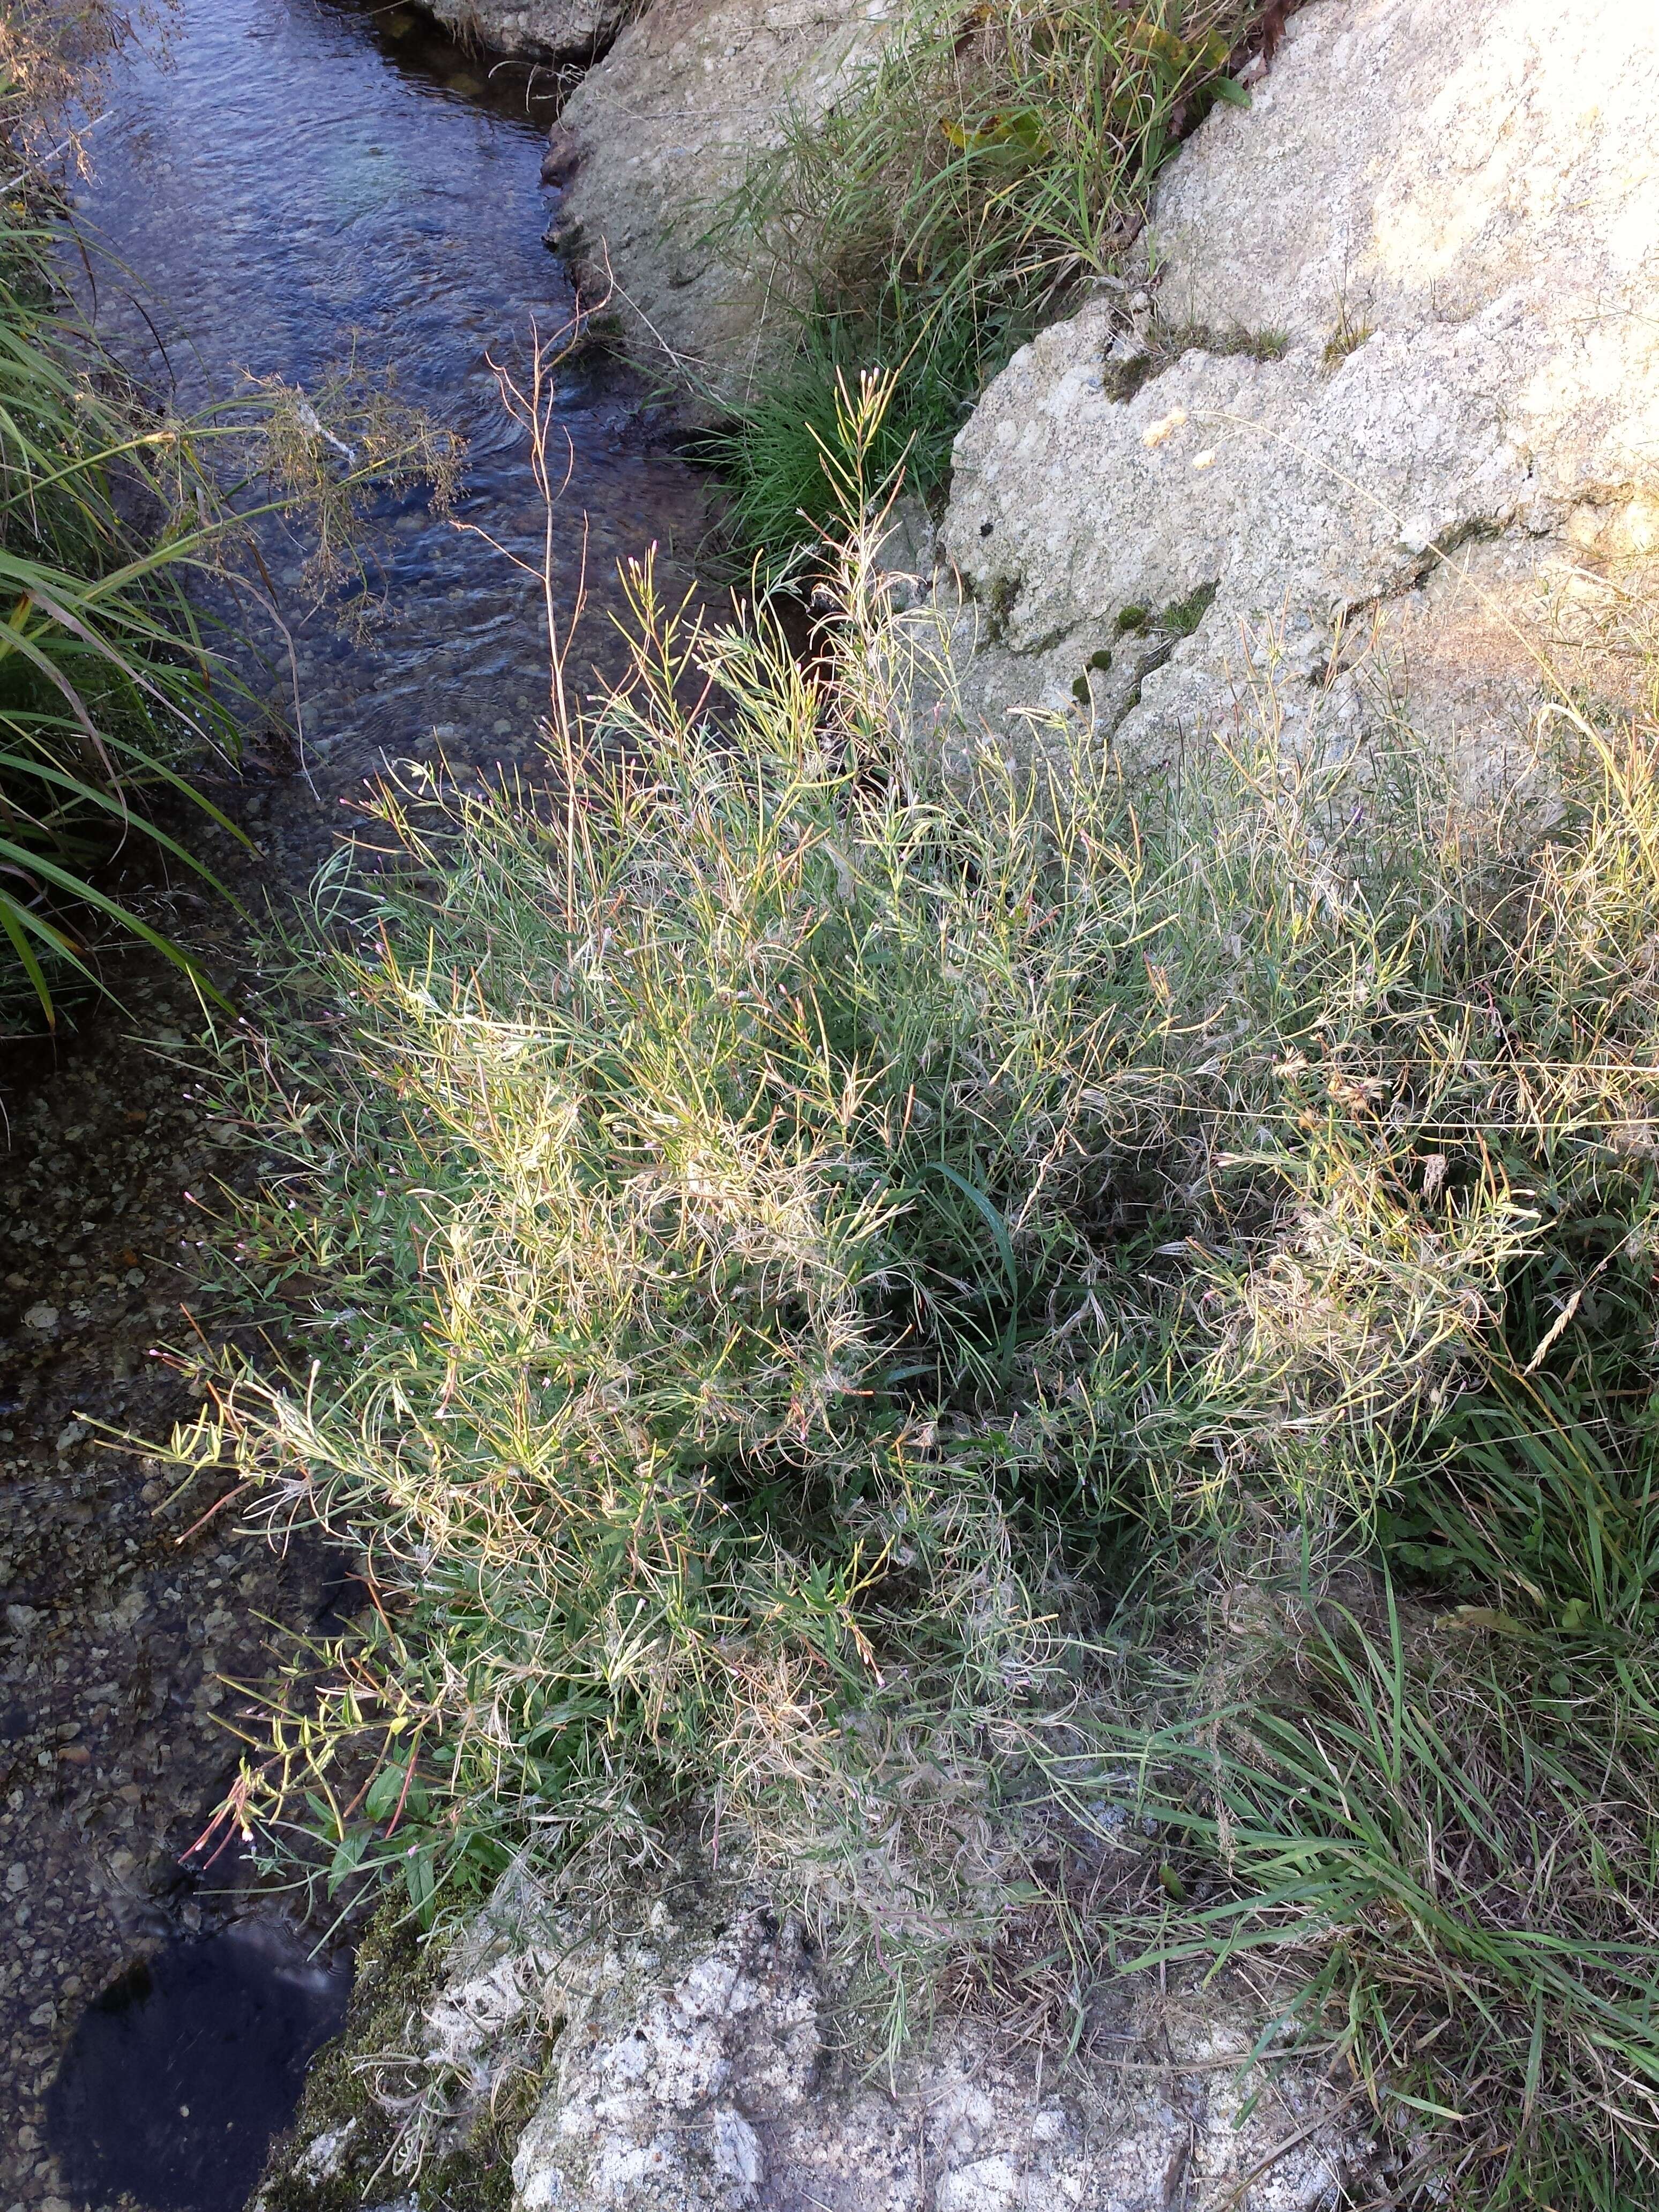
(954, 1326)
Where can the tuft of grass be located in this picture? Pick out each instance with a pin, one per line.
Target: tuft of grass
(1182, 616)
(781, 499)
(1166, 342)
(104, 675)
(112, 516)
(947, 207)
(1067, 1366)
(114, 512)
(1347, 338)
(53, 63)
(1432, 1793)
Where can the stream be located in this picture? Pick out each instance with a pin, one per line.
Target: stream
(289, 183)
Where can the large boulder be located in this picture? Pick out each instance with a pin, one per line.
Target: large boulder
(1381, 425)
(660, 132)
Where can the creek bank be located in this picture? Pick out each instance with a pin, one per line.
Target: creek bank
(658, 133)
(1371, 425)
(669, 101)
(299, 179)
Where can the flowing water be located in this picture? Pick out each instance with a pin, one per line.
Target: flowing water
(311, 179)
(293, 183)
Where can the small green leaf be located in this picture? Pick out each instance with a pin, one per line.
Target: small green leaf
(421, 1879)
(348, 1856)
(383, 1792)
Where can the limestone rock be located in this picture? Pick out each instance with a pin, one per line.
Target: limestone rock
(678, 2047)
(661, 130)
(691, 2061)
(541, 30)
(1406, 430)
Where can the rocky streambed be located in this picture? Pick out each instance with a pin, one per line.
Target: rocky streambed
(121, 1628)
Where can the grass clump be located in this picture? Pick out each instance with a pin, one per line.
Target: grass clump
(1182, 616)
(103, 688)
(1429, 1789)
(1069, 1369)
(1165, 342)
(945, 207)
(103, 671)
(1349, 335)
(114, 513)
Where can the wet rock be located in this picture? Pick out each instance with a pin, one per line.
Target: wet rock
(562, 153)
(543, 30)
(180, 2073)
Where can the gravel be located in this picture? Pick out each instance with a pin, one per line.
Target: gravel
(127, 1610)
